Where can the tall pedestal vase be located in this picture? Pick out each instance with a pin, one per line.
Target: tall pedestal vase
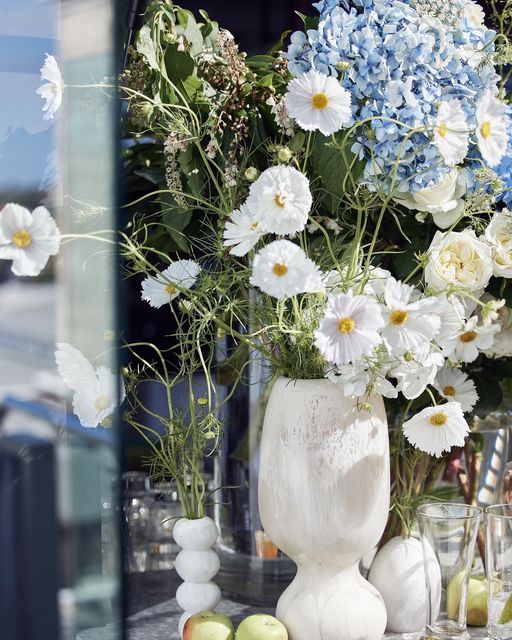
(324, 501)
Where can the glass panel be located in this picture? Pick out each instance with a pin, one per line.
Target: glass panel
(59, 550)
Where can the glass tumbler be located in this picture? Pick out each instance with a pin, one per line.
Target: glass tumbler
(498, 545)
(448, 535)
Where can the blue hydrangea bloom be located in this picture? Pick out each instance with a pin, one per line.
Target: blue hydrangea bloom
(399, 63)
(504, 171)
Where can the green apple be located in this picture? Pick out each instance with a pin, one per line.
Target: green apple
(477, 599)
(261, 626)
(208, 625)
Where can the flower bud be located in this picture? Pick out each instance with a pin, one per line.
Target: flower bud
(251, 173)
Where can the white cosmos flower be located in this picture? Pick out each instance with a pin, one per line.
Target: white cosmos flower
(452, 315)
(282, 270)
(460, 259)
(51, 91)
(242, 232)
(437, 429)
(349, 329)
(455, 386)
(413, 377)
(451, 133)
(280, 200)
(471, 339)
(318, 103)
(28, 239)
(443, 200)
(499, 234)
(95, 390)
(410, 320)
(166, 286)
(492, 128)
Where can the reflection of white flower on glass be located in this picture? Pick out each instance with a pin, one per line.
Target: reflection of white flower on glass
(28, 239)
(492, 128)
(96, 391)
(499, 234)
(51, 91)
(166, 286)
(471, 339)
(451, 133)
(443, 200)
(280, 200)
(455, 386)
(318, 103)
(437, 429)
(350, 328)
(282, 270)
(242, 232)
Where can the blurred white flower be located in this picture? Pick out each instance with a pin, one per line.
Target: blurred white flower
(471, 339)
(443, 200)
(455, 386)
(502, 345)
(51, 91)
(460, 259)
(410, 320)
(350, 328)
(362, 377)
(282, 269)
(474, 13)
(242, 232)
(451, 133)
(166, 286)
(492, 128)
(318, 103)
(28, 239)
(435, 430)
(95, 390)
(499, 234)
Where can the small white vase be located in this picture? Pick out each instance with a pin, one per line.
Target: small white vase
(324, 501)
(197, 564)
(398, 573)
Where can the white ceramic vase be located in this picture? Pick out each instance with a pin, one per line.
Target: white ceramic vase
(196, 564)
(324, 501)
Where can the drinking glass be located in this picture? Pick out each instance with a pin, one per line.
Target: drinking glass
(448, 534)
(498, 543)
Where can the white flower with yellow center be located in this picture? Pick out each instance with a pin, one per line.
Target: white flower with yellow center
(435, 430)
(410, 321)
(95, 391)
(280, 200)
(451, 133)
(471, 340)
(444, 200)
(242, 232)
(349, 329)
(318, 103)
(492, 128)
(167, 285)
(282, 270)
(460, 259)
(28, 239)
(455, 386)
(51, 91)
(499, 234)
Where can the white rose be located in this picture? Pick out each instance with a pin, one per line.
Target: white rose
(499, 234)
(459, 259)
(474, 13)
(443, 200)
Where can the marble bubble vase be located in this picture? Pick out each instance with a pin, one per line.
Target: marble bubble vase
(324, 501)
(197, 564)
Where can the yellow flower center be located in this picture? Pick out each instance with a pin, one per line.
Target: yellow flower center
(398, 317)
(170, 289)
(346, 325)
(486, 129)
(280, 201)
(442, 130)
(449, 391)
(319, 101)
(438, 419)
(254, 226)
(280, 269)
(22, 239)
(102, 403)
(469, 336)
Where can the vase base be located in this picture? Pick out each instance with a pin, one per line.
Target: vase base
(445, 631)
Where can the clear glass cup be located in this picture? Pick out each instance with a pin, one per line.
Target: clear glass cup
(136, 513)
(498, 543)
(448, 535)
(164, 510)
